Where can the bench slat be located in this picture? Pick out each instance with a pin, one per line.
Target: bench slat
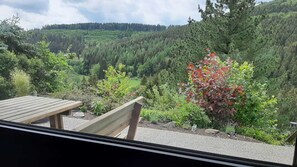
(115, 125)
(95, 125)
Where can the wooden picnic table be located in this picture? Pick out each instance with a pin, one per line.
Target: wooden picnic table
(28, 109)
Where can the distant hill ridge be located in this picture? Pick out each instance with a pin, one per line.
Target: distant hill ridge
(107, 26)
(276, 6)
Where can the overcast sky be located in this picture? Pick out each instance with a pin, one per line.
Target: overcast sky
(36, 13)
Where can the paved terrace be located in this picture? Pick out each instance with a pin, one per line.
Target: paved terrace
(259, 151)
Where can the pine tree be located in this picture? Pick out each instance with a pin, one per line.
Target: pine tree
(228, 26)
(143, 80)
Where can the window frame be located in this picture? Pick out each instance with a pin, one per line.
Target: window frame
(53, 141)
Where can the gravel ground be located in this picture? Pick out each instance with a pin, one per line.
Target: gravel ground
(198, 131)
(251, 150)
(69, 123)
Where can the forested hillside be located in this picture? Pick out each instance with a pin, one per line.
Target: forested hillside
(107, 26)
(143, 55)
(75, 41)
(277, 62)
(278, 6)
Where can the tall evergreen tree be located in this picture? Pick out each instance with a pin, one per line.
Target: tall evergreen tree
(228, 26)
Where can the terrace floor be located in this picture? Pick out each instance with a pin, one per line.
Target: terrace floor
(251, 150)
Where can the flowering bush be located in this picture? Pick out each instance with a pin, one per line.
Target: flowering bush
(209, 87)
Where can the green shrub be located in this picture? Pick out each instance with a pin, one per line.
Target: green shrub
(274, 137)
(162, 98)
(21, 82)
(182, 114)
(197, 116)
(83, 108)
(8, 61)
(5, 89)
(188, 113)
(143, 80)
(229, 129)
(95, 73)
(47, 70)
(98, 107)
(166, 104)
(256, 108)
(115, 86)
(155, 116)
(178, 116)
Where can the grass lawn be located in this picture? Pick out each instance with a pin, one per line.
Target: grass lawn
(134, 83)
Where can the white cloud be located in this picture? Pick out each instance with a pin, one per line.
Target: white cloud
(144, 11)
(57, 13)
(37, 13)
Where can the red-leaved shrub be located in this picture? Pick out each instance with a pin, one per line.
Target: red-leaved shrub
(208, 87)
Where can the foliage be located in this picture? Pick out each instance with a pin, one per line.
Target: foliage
(83, 108)
(21, 82)
(77, 65)
(134, 84)
(162, 98)
(229, 129)
(278, 65)
(95, 74)
(11, 36)
(115, 86)
(166, 104)
(196, 116)
(143, 80)
(59, 41)
(107, 26)
(184, 113)
(256, 107)
(144, 54)
(189, 113)
(8, 61)
(5, 89)
(274, 137)
(287, 104)
(154, 116)
(227, 92)
(276, 6)
(44, 67)
(98, 107)
(210, 89)
(229, 27)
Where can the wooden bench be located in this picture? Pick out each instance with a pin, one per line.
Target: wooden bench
(115, 121)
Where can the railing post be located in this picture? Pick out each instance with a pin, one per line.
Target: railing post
(134, 121)
(295, 155)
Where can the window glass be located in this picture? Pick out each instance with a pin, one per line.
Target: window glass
(219, 78)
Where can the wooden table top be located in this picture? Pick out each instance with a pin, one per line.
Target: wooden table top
(27, 109)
